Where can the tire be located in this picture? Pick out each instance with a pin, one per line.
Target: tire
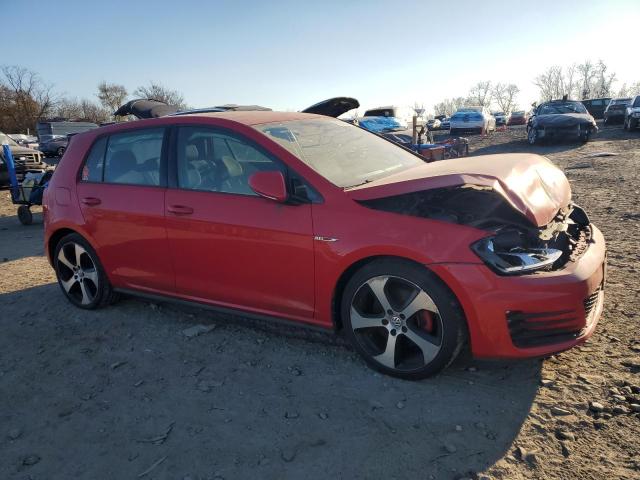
(60, 152)
(86, 287)
(24, 215)
(532, 136)
(585, 135)
(425, 330)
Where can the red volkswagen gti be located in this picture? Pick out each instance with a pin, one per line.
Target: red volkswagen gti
(306, 218)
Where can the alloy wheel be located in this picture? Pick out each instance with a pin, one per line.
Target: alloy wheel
(77, 273)
(397, 323)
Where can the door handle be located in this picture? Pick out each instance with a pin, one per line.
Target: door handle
(91, 201)
(180, 210)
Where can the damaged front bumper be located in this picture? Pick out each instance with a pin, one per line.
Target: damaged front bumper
(530, 315)
(578, 131)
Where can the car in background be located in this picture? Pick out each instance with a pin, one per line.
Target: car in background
(434, 124)
(28, 141)
(26, 160)
(445, 123)
(632, 114)
(614, 113)
(518, 118)
(472, 120)
(403, 114)
(335, 228)
(501, 118)
(560, 119)
(55, 146)
(596, 106)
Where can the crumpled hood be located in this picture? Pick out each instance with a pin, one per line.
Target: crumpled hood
(531, 184)
(563, 120)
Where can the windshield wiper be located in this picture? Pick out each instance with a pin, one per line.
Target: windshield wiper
(358, 184)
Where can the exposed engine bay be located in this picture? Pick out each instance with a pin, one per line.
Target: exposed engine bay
(515, 245)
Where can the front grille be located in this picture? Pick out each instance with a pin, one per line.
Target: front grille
(543, 328)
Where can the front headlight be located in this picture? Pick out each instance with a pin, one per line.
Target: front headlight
(636, 114)
(509, 258)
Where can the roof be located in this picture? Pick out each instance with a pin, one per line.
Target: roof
(256, 117)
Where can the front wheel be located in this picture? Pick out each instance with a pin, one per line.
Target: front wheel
(80, 274)
(532, 136)
(60, 151)
(402, 320)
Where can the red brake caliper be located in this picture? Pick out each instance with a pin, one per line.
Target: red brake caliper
(426, 320)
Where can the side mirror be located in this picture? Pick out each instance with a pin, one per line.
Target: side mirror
(269, 185)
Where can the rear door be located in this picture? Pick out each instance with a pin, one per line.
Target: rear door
(121, 192)
(229, 246)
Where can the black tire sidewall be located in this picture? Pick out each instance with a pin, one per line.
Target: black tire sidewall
(104, 289)
(454, 324)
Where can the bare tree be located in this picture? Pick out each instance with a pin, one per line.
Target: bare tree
(480, 94)
(603, 81)
(505, 96)
(449, 106)
(588, 74)
(157, 91)
(26, 98)
(111, 95)
(82, 110)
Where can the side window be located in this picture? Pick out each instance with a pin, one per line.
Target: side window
(93, 166)
(133, 158)
(210, 160)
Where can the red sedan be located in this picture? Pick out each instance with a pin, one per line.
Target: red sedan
(312, 220)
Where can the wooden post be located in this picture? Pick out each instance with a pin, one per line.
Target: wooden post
(414, 137)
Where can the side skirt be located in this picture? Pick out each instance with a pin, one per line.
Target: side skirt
(226, 310)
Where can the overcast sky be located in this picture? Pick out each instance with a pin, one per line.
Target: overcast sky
(291, 54)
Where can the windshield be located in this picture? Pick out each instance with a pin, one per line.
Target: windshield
(343, 154)
(381, 124)
(4, 138)
(636, 102)
(560, 108)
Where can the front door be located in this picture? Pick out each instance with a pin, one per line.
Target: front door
(229, 246)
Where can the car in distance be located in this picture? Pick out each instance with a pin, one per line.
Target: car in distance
(472, 120)
(596, 106)
(278, 215)
(518, 118)
(434, 124)
(26, 160)
(445, 123)
(54, 147)
(560, 119)
(632, 114)
(501, 118)
(614, 113)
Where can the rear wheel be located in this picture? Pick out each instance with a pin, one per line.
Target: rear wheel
(402, 320)
(80, 274)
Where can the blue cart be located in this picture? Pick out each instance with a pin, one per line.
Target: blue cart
(29, 192)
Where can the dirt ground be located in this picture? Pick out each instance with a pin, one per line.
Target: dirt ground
(124, 393)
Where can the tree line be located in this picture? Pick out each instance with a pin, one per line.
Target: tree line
(25, 98)
(577, 81)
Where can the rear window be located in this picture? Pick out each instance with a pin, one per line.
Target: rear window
(130, 158)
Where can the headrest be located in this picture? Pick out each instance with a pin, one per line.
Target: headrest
(233, 166)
